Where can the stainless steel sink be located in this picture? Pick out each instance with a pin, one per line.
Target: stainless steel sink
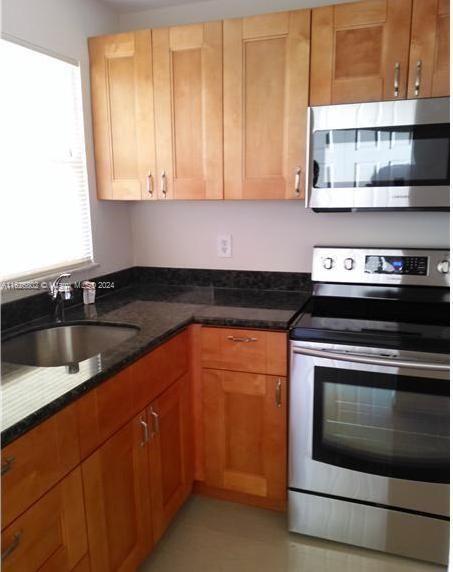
(64, 344)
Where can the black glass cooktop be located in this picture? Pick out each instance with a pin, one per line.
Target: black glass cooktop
(416, 325)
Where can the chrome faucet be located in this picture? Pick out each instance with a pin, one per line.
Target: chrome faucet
(60, 291)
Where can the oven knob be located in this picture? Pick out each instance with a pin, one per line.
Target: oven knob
(328, 263)
(349, 263)
(444, 266)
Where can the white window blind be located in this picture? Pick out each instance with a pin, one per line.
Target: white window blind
(44, 205)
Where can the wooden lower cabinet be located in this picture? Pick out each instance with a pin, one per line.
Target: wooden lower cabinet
(51, 535)
(244, 421)
(115, 480)
(170, 454)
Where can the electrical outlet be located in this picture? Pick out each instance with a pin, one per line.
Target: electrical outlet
(224, 246)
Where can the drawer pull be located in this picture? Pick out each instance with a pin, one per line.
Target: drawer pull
(278, 393)
(297, 181)
(149, 183)
(7, 465)
(246, 340)
(144, 425)
(155, 417)
(12, 547)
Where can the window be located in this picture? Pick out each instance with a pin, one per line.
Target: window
(44, 205)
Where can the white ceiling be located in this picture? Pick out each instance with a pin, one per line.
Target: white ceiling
(134, 5)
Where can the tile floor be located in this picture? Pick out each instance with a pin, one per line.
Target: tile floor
(216, 536)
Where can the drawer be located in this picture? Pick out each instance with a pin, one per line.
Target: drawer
(51, 535)
(254, 351)
(35, 462)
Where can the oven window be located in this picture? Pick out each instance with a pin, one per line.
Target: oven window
(410, 155)
(390, 425)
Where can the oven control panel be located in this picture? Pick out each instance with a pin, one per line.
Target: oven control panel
(381, 266)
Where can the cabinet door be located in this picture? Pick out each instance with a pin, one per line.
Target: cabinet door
(360, 51)
(51, 535)
(123, 115)
(188, 99)
(430, 49)
(266, 76)
(115, 480)
(170, 458)
(245, 433)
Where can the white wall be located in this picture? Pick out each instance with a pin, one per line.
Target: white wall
(62, 26)
(266, 235)
(275, 236)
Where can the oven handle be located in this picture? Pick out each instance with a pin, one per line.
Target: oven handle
(367, 359)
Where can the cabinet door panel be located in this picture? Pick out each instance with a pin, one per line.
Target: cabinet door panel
(188, 96)
(430, 49)
(245, 433)
(355, 48)
(123, 115)
(266, 62)
(115, 480)
(51, 535)
(170, 453)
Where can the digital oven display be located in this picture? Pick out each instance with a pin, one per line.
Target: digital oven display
(412, 265)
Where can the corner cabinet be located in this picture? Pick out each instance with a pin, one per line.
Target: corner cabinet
(123, 115)
(266, 75)
(188, 111)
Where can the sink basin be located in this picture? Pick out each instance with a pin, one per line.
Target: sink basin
(64, 344)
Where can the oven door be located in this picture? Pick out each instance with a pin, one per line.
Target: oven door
(393, 154)
(369, 427)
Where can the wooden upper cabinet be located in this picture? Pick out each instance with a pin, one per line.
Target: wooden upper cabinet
(360, 51)
(430, 49)
(115, 482)
(123, 115)
(170, 453)
(266, 76)
(188, 105)
(244, 418)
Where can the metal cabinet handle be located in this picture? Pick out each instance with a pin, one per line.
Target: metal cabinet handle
(297, 181)
(163, 184)
(149, 183)
(246, 340)
(278, 393)
(7, 465)
(12, 547)
(418, 77)
(155, 416)
(144, 425)
(396, 79)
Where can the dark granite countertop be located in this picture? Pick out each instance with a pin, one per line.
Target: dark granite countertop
(32, 394)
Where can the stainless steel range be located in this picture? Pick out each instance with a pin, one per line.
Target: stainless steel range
(369, 403)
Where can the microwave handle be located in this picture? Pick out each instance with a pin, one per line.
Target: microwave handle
(372, 360)
(308, 160)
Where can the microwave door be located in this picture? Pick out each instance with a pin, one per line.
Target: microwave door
(379, 164)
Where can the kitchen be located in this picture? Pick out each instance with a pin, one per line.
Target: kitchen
(248, 389)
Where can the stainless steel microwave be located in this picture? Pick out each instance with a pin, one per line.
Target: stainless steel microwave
(381, 155)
